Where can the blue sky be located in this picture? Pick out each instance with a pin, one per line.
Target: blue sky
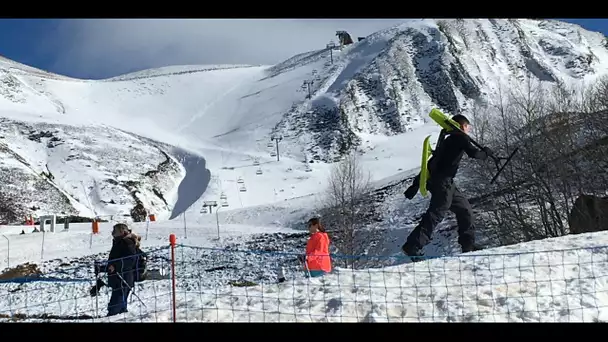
(102, 48)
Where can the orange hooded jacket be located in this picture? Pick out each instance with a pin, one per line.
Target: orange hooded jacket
(317, 253)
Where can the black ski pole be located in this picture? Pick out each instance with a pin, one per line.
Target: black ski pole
(497, 160)
(97, 295)
(136, 296)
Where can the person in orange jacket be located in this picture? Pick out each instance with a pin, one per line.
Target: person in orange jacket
(317, 260)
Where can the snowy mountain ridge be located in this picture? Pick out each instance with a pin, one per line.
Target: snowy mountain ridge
(170, 139)
(387, 83)
(212, 124)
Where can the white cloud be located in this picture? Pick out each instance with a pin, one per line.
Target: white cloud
(108, 47)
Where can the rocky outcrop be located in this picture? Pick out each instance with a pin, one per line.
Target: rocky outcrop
(387, 83)
(139, 213)
(589, 214)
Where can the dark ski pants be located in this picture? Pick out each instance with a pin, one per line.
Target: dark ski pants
(444, 196)
(118, 301)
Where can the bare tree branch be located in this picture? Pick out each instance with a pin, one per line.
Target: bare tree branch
(345, 203)
(562, 133)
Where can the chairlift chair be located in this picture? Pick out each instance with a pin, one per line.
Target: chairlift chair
(258, 172)
(243, 189)
(240, 180)
(204, 210)
(273, 154)
(256, 162)
(223, 197)
(269, 144)
(224, 203)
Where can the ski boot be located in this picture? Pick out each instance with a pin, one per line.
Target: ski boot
(471, 248)
(414, 253)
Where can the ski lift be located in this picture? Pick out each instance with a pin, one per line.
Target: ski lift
(269, 144)
(204, 210)
(223, 197)
(224, 202)
(307, 168)
(258, 171)
(243, 189)
(256, 162)
(273, 154)
(240, 180)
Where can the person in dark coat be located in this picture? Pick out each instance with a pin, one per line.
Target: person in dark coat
(442, 167)
(120, 268)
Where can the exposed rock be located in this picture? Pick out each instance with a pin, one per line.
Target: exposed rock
(589, 214)
(139, 213)
(388, 82)
(21, 271)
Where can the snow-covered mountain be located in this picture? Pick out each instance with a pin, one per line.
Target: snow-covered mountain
(169, 138)
(387, 83)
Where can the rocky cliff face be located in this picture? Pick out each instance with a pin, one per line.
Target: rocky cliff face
(387, 83)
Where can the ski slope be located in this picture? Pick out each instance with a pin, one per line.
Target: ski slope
(177, 136)
(554, 280)
(213, 123)
(218, 119)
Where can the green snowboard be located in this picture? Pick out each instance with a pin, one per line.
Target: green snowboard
(424, 171)
(443, 120)
(448, 125)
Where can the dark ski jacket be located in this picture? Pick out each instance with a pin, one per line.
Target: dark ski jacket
(123, 256)
(446, 159)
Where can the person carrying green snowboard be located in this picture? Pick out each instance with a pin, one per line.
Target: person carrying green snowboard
(442, 168)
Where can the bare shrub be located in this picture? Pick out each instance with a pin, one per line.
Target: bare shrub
(345, 203)
(561, 133)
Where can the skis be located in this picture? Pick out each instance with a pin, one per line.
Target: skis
(449, 125)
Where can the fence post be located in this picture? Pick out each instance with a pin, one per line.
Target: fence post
(172, 242)
(42, 249)
(185, 232)
(8, 251)
(147, 226)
